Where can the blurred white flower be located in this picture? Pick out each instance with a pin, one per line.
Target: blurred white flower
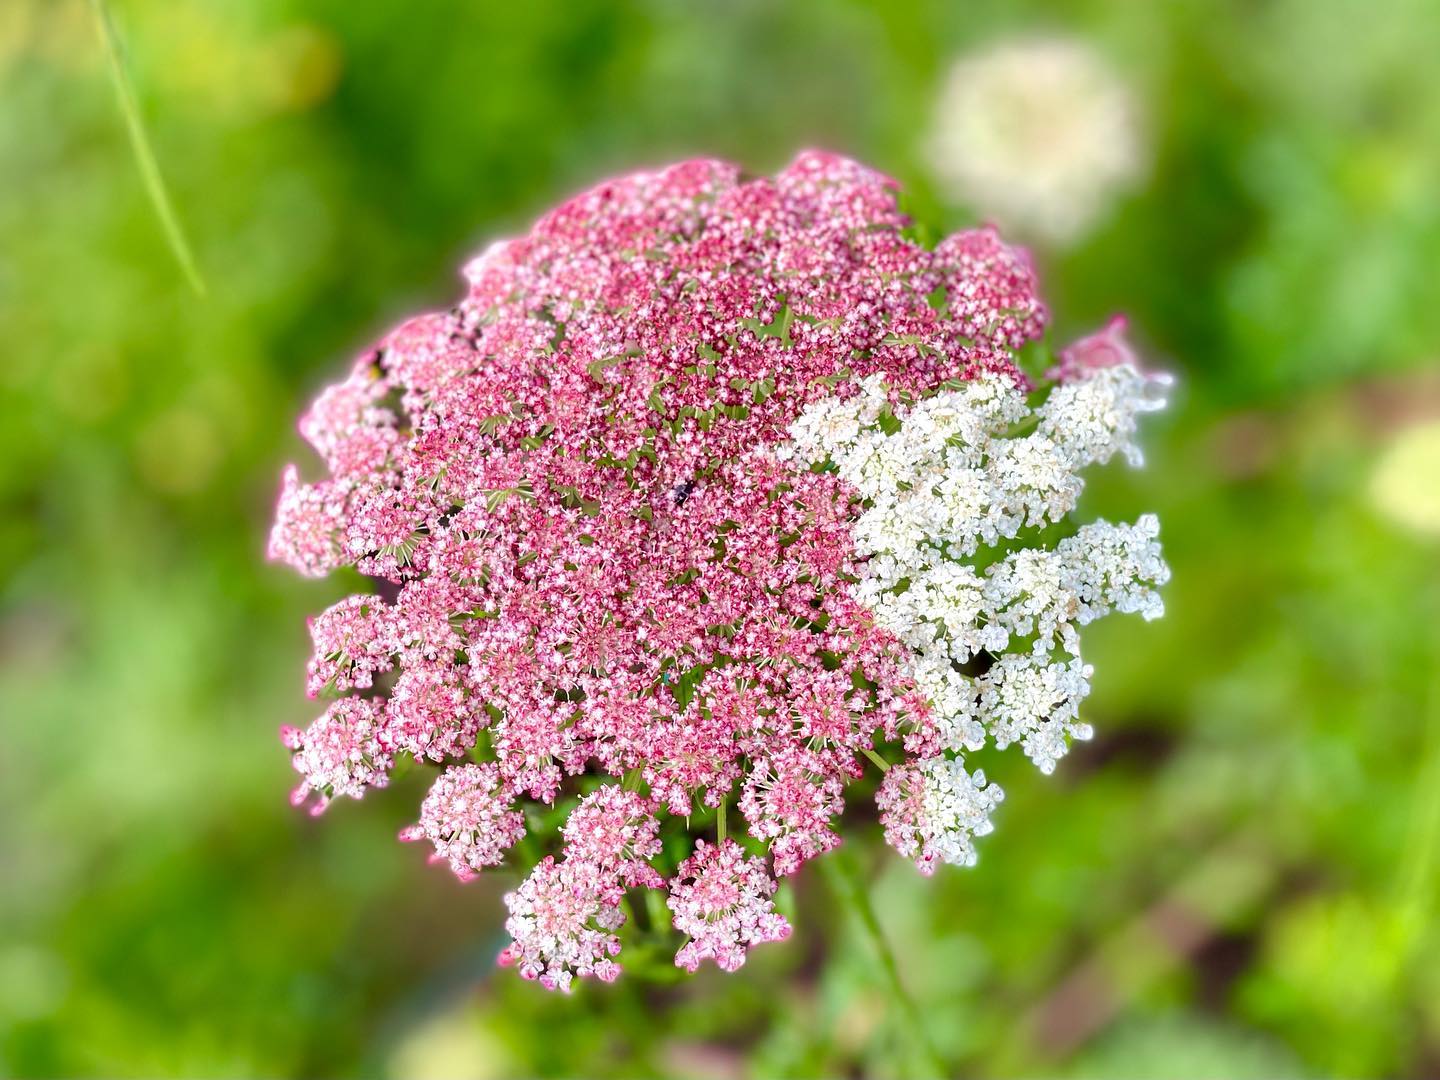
(1037, 133)
(1403, 485)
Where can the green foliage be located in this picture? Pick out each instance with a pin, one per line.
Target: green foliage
(1238, 878)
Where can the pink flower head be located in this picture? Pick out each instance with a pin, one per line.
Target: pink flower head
(308, 520)
(347, 426)
(789, 804)
(563, 919)
(616, 831)
(342, 753)
(1105, 348)
(901, 800)
(432, 714)
(721, 900)
(468, 817)
(352, 645)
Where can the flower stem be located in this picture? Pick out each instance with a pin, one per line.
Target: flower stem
(845, 881)
(659, 913)
(880, 762)
(720, 822)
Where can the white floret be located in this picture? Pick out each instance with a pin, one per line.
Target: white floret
(1036, 704)
(952, 479)
(956, 808)
(1094, 418)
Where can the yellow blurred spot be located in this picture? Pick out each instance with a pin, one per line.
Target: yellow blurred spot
(1405, 485)
(240, 70)
(65, 37)
(858, 1019)
(1377, 175)
(453, 1044)
(16, 19)
(301, 66)
(177, 452)
(1309, 937)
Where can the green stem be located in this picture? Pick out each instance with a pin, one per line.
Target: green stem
(144, 153)
(720, 822)
(845, 881)
(659, 913)
(880, 762)
(1415, 882)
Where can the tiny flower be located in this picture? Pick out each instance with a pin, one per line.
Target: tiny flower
(342, 753)
(932, 811)
(901, 801)
(1107, 347)
(721, 901)
(308, 522)
(1037, 704)
(615, 831)
(788, 803)
(468, 817)
(432, 714)
(347, 426)
(352, 645)
(563, 919)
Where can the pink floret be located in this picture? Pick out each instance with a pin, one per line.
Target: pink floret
(469, 819)
(721, 901)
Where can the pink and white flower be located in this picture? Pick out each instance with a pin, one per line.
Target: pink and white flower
(344, 752)
(616, 831)
(696, 492)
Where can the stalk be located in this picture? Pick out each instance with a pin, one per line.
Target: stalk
(845, 881)
(878, 761)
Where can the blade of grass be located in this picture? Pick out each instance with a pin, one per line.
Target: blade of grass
(140, 144)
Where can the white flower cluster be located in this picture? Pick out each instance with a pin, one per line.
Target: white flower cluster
(955, 808)
(956, 475)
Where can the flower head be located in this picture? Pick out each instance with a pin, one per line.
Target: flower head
(342, 753)
(469, 819)
(790, 803)
(616, 831)
(721, 901)
(698, 494)
(932, 811)
(1037, 132)
(352, 645)
(432, 713)
(562, 923)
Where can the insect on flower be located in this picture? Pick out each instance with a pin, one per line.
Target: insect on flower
(710, 493)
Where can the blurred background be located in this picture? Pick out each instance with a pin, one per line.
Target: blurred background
(1237, 878)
